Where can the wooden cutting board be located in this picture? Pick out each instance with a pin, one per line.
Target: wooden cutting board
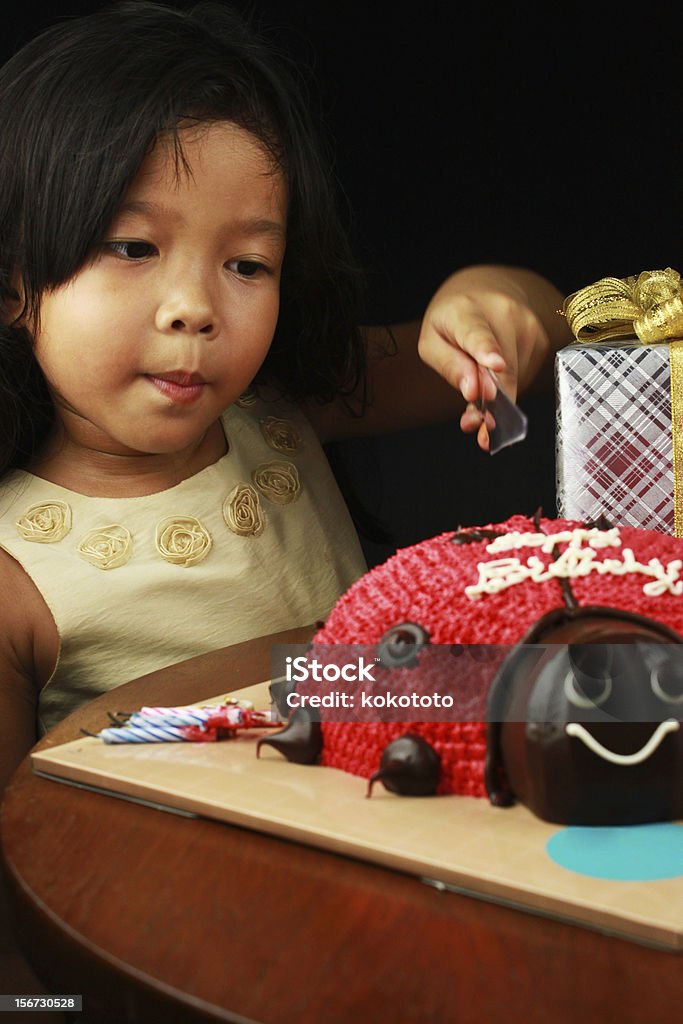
(458, 842)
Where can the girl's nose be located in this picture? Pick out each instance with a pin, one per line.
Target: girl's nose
(188, 310)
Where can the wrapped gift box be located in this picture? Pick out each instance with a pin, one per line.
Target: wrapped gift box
(614, 446)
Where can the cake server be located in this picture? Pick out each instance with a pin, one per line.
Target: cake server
(511, 423)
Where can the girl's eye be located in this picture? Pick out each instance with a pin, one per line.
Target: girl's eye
(246, 268)
(132, 250)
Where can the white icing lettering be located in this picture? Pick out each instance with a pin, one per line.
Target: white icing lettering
(547, 541)
(574, 562)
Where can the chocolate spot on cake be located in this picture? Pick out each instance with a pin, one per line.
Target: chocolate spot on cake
(601, 523)
(475, 536)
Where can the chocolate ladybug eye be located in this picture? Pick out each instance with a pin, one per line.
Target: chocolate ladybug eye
(667, 682)
(588, 684)
(400, 645)
(587, 691)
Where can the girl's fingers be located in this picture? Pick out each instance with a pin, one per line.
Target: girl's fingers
(454, 365)
(472, 421)
(461, 347)
(463, 323)
(458, 368)
(476, 338)
(473, 418)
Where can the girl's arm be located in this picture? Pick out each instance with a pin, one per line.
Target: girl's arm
(17, 717)
(18, 688)
(503, 318)
(18, 697)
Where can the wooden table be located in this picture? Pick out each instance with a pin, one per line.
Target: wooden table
(152, 916)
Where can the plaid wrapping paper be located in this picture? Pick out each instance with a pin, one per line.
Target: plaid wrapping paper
(613, 441)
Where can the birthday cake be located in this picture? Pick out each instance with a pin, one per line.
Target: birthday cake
(572, 693)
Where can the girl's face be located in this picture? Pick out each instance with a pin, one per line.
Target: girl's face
(147, 344)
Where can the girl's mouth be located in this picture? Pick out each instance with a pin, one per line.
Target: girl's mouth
(180, 387)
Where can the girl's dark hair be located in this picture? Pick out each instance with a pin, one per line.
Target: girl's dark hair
(80, 108)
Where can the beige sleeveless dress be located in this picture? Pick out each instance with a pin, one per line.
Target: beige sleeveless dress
(259, 541)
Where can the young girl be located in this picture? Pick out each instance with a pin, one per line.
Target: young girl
(178, 337)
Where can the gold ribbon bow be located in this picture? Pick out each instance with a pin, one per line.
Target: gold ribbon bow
(649, 306)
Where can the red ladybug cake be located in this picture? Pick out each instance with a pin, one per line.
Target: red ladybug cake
(558, 642)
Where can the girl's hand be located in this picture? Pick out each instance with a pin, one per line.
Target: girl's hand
(481, 319)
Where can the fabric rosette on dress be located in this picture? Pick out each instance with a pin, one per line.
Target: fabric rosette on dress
(243, 513)
(278, 481)
(182, 540)
(108, 548)
(281, 435)
(46, 522)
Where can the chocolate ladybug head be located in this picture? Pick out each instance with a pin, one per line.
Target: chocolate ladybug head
(584, 720)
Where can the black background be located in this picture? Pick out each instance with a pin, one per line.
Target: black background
(544, 136)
